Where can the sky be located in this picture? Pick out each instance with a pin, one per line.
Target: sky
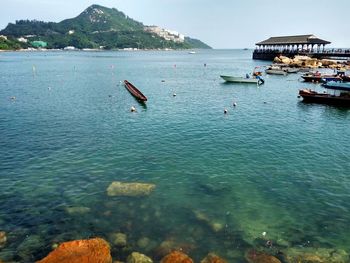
(220, 24)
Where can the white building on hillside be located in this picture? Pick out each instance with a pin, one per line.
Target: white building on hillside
(167, 34)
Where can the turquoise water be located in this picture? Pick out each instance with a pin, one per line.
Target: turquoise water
(272, 164)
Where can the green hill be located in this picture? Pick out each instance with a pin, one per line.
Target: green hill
(95, 27)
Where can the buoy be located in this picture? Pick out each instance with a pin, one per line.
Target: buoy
(49, 88)
(234, 104)
(13, 98)
(225, 111)
(174, 95)
(132, 109)
(263, 233)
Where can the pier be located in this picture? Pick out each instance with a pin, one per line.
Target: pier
(290, 46)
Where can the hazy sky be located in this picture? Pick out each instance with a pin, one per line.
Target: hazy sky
(221, 23)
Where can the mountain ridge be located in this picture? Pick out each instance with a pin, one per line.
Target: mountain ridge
(98, 26)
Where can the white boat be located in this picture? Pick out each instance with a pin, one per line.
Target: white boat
(192, 52)
(233, 79)
(291, 70)
(276, 70)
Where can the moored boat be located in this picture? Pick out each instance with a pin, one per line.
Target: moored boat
(275, 70)
(257, 80)
(318, 77)
(291, 70)
(337, 85)
(134, 91)
(340, 96)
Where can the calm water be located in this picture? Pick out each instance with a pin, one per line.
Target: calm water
(272, 164)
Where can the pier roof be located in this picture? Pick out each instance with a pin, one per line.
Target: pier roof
(293, 40)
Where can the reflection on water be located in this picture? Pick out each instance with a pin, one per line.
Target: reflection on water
(270, 175)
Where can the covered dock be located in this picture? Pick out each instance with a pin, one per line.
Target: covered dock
(289, 46)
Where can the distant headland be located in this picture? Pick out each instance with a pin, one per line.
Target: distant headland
(97, 27)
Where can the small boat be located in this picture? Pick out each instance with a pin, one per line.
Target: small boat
(233, 79)
(340, 96)
(318, 77)
(275, 70)
(134, 91)
(337, 85)
(291, 70)
(192, 52)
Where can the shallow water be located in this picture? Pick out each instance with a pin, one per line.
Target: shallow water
(272, 164)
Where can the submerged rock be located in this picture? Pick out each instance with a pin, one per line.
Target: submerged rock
(30, 244)
(213, 225)
(176, 257)
(212, 258)
(78, 210)
(260, 257)
(119, 239)
(143, 242)
(129, 189)
(3, 239)
(80, 251)
(316, 255)
(136, 257)
(167, 246)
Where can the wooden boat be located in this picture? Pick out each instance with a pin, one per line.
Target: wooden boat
(340, 96)
(233, 79)
(134, 91)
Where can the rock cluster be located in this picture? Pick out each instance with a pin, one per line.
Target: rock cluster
(305, 61)
(129, 189)
(97, 250)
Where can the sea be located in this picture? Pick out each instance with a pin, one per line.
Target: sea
(272, 174)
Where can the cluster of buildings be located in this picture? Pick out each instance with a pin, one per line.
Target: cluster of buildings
(166, 33)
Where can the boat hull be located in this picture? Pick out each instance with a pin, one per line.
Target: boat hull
(134, 91)
(335, 85)
(275, 72)
(240, 80)
(324, 98)
(320, 78)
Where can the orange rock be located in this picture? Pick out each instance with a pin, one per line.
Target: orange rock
(260, 257)
(3, 239)
(94, 250)
(212, 258)
(176, 257)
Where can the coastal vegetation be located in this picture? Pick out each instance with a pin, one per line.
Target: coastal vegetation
(10, 44)
(96, 27)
